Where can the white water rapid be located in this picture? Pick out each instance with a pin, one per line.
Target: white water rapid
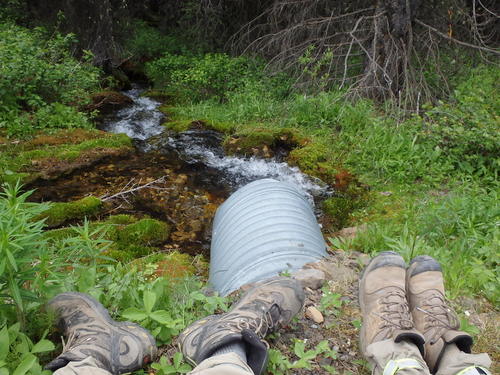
(142, 121)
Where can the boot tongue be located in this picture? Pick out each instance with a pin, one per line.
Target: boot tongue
(462, 339)
(412, 336)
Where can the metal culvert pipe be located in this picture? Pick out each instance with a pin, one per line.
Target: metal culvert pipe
(264, 228)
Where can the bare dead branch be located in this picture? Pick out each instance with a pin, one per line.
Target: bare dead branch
(465, 44)
(134, 187)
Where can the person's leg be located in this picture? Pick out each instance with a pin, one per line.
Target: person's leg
(96, 344)
(447, 350)
(88, 366)
(223, 364)
(388, 357)
(212, 343)
(457, 362)
(388, 339)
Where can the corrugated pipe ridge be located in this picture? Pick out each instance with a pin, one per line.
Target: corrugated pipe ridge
(264, 228)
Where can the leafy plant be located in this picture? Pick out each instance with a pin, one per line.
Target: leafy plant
(330, 302)
(160, 322)
(195, 78)
(21, 244)
(18, 352)
(280, 365)
(39, 79)
(177, 366)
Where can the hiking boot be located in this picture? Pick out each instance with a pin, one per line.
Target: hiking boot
(117, 347)
(260, 311)
(383, 303)
(432, 316)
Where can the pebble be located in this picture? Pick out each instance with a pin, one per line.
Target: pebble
(310, 278)
(314, 314)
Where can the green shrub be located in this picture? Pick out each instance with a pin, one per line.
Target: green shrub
(466, 129)
(39, 79)
(60, 116)
(195, 78)
(21, 244)
(35, 70)
(13, 10)
(148, 42)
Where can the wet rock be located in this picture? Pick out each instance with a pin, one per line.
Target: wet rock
(363, 259)
(314, 314)
(336, 271)
(325, 361)
(107, 101)
(310, 278)
(351, 232)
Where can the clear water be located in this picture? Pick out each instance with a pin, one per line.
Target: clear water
(142, 121)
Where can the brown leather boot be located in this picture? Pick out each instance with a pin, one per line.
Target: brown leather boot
(432, 316)
(382, 298)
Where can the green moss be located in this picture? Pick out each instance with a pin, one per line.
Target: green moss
(174, 265)
(145, 231)
(245, 144)
(339, 209)
(69, 155)
(167, 110)
(16, 157)
(245, 141)
(110, 141)
(315, 160)
(60, 213)
(342, 207)
(131, 238)
(177, 125)
(121, 219)
(159, 95)
(220, 126)
(56, 235)
(129, 253)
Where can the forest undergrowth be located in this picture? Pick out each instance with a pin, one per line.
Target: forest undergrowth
(423, 183)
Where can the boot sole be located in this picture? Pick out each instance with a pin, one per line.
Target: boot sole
(423, 263)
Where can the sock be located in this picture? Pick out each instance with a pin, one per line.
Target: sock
(236, 347)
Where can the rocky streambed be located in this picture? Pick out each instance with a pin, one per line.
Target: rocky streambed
(179, 178)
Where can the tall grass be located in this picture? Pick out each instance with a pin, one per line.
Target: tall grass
(460, 228)
(450, 149)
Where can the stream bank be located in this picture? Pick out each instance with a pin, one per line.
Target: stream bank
(179, 178)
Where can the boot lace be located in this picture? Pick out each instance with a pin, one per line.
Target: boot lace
(395, 312)
(74, 339)
(439, 316)
(261, 324)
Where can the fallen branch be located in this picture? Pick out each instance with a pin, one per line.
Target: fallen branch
(443, 35)
(122, 193)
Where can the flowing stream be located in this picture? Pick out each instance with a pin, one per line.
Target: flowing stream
(188, 174)
(203, 149)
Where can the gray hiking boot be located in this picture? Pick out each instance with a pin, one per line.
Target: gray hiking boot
(260, 311)
(432, 316)
(117, 347)
(383, 303)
